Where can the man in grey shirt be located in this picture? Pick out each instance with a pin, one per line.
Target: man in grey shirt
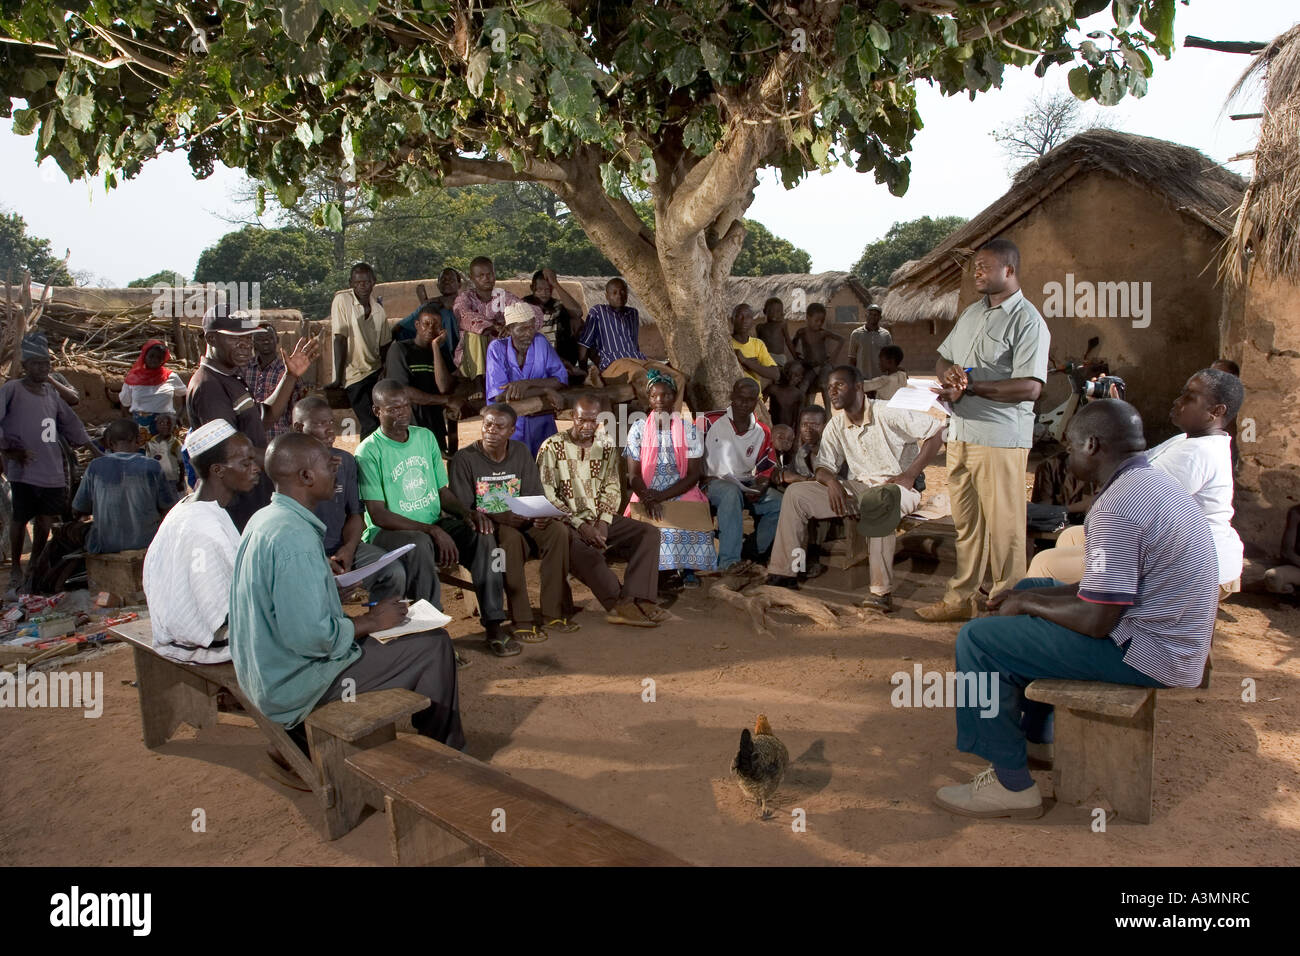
(866, 341)
(992, 366)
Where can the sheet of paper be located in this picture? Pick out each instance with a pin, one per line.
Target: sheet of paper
(915, 399)
(348, 578)
(533, 506)
(420, 616)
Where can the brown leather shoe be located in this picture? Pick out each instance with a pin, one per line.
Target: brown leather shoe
(942, 611)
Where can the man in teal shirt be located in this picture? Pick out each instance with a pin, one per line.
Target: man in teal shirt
(404, 487)
(292, 645)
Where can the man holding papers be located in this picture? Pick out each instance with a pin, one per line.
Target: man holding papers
(292, 645)
(483, 477)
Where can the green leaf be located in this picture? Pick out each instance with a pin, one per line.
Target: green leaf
(819, 149)
(383, 89)
(303, 134)
(713, 59)
(685, 65)
(1090, 52)
(25, 122)
(1078, 80)
(259, 202)
(611, 179)
(299, 18)
(1137, 84)
(1086, 8)
(78, 110)
(547, 11)
(949, 27)
(332, 217)
(287, 194)
(879, 36)
(1109, 89)
(1123, 12)
(34, 80)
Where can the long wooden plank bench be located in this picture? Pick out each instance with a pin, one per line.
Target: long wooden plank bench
(174, 693)
(446, 808)
(1104, 744)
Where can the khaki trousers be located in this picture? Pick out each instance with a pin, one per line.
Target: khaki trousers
(987, 487)
(806, 500)
(1065, 561)
(551, 542)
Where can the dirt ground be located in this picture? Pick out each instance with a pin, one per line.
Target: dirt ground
(569, 716)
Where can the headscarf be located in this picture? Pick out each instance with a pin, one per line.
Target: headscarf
(35, 346)
(141, 374)
(655, 377)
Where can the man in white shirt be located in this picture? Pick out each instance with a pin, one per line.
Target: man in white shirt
(361, 340)
(738, 461)
(872, 439)
(189, 564)
(1199, 459)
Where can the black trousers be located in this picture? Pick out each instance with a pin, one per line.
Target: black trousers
(362, 404)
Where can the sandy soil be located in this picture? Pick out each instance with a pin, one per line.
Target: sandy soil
(568, 716)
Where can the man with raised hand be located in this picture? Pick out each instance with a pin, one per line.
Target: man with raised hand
(992, 367)
(293, 647)
(1143, 613)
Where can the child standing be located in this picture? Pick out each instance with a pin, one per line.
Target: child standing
(164, 447)
(817, 348)
(124, 491)
(891, 377)
(774, 332)
(786, 397)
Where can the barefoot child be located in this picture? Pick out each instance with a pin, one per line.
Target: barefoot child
(774, 331)
(817, 347)
(786, 397)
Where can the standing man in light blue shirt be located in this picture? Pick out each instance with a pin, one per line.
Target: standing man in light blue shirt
(992, 367)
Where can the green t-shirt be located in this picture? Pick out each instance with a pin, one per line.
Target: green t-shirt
(405, 476)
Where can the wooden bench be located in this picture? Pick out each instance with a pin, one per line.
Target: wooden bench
(174, 693)
(1105, 742)
(442, 806)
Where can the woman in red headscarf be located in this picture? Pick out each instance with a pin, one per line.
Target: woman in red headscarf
(150, 387)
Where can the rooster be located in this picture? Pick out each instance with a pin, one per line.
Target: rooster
(760, 764)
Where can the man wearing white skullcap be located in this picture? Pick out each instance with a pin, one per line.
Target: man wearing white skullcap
(189, 565)
(524, 365)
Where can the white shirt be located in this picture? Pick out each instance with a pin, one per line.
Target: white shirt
(883, 446)
(727, 454)
(1204, 467)
(365, 337)
(187, 573)
(152, 399)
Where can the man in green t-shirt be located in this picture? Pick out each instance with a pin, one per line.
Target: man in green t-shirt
(404, 486)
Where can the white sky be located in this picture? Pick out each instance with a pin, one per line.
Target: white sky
(164, 218)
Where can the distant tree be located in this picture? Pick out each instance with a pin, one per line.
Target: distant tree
(20, 251)
(1048, 121)
(903, 241)
(164, 277)
(293, 266)
(764, 253)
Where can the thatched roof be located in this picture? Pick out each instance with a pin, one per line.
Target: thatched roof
(754, 290)
(1266, 227)
(926, 304)
(1186, 178)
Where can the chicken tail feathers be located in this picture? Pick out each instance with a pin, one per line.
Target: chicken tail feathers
(745, 757)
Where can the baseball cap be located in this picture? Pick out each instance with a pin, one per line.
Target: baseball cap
(219, 318)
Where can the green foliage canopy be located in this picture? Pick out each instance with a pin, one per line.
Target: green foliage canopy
(903, 241)
(21, 251)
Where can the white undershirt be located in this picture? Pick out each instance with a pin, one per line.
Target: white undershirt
(1204, 467)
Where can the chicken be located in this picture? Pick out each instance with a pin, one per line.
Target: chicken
(760, 764)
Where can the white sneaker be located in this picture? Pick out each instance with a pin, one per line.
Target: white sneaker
(986, 797)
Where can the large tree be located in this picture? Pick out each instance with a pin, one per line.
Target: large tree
(904, 241)
(686, 99)
(292, 266)
(22, 252)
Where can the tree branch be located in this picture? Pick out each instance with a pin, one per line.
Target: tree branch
(463, 171)
(1225, 46)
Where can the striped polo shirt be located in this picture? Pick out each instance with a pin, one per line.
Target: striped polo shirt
(613, 333)
(1149, 547)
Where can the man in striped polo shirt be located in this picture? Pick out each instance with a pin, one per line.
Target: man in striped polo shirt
(1143, 613)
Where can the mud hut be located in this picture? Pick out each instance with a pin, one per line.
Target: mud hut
(1259, 324)
(917, 318)
(1120, 237)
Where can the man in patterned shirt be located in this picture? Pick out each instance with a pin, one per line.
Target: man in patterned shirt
(579, 470)
(263, 376)
(1143, 613)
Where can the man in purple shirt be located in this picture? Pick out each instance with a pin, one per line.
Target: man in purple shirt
(524, 365)
(33, 417)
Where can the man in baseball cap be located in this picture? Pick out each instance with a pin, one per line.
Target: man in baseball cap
(218, 390)
(524, 365)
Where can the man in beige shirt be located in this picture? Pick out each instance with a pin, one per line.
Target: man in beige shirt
(361, 340)
(872, 440)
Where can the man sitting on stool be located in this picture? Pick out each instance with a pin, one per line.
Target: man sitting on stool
(292, 645)
(1143, 613)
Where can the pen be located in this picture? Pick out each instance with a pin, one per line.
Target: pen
(376, 603)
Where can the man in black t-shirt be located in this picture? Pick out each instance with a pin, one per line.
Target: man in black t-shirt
(217, 390)
(420, 365)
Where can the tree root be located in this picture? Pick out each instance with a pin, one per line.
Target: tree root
(757, 601)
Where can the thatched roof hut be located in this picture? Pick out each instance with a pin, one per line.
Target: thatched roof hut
(1266, 228)
(903, 305)
(1184, 178)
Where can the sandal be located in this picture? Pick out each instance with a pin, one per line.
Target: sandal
(503, 645)
(531, 634)
(652, 611)
(461, 661)
(690, 580)
(564, 625)
(631, 615)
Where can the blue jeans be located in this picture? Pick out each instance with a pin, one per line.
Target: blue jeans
(731, 505)
(1021, 649)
